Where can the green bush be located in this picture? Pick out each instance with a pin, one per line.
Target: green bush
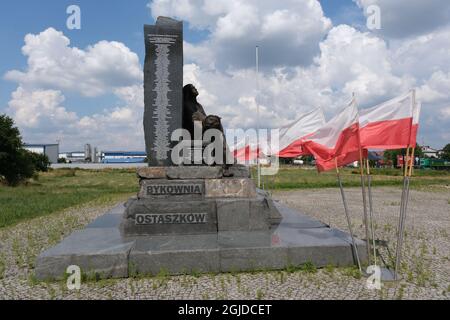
(16, 167)
(16, 164)
(40, 161)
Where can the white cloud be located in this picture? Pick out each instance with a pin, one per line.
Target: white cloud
(306, 63)
(404, 18)
(288, 31)
(42, 117)
(99, 69)
(420, 56)
(436, 89)
(445, 112)
(38, 108)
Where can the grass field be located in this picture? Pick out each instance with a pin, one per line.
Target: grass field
(297, 178)
(61, 189)
(64, 188)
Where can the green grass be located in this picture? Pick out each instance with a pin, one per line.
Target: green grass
(64, 188)
(290, 177)
(61, 189)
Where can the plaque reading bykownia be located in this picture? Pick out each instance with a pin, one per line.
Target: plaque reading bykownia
(174, 189)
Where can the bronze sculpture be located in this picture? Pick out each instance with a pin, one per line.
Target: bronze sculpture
(193, 111)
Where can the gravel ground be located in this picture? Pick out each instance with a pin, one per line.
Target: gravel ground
(425, 269)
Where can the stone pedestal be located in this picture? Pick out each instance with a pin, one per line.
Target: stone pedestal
(197, 200)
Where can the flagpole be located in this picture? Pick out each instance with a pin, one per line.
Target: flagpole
(363, 191)
(355, 248)
(405, 196)
(401, 220)
(369, 186)
(258, 162)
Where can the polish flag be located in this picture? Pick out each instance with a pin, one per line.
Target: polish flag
(415, 124)
(293, 135)
(246, 153)
(388, 125)
(337, 143)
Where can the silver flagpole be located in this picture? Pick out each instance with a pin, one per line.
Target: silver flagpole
(258, 162)
(366, 222)
(369, 187)
(405, 197)
(401, 226)
(344, 201)
(363, 191)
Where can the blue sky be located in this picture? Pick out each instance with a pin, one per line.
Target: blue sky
(215, 61)
(113, 20)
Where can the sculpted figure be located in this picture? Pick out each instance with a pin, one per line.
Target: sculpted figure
(193, 111)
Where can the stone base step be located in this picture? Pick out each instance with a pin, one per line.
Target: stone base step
(101, 249)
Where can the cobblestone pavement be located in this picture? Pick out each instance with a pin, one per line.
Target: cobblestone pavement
(425, 268)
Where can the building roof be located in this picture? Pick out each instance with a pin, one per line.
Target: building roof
(40, 145)
(126, 153)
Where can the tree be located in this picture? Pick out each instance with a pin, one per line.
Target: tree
(40, 161)
(16, 165)
(445, 154)
(391, 155)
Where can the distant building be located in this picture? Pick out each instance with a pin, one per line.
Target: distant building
(430, 152)
(123, 157)
(73, 157)
(50, 150)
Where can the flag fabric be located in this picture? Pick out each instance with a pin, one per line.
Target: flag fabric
(336, 143)
(246, 153)
(388, 125)
(293, 135)
(415, 124)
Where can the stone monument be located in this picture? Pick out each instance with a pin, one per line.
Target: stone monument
(163, 87)
(191, 218)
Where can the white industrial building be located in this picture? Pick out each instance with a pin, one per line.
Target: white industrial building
(50, 150)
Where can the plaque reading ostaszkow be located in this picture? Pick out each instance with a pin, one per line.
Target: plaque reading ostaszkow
(171, 218)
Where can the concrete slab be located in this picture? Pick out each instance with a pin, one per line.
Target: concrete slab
(176, 255)
(100, 248)
(108, 220)
(95, 250)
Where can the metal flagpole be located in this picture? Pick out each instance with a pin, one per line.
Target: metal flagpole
(405, 197)
(258, 163)
(363, 190)
(401, 219)
(369, 186)
(355, 248)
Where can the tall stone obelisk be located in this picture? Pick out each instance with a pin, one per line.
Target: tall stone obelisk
(163, 87)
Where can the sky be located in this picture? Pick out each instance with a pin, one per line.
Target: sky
(85, 86)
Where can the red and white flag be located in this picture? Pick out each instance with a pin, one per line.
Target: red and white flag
(415, 124)
(293, 135)
(388, 125)
(246, 152)
(337, 143)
